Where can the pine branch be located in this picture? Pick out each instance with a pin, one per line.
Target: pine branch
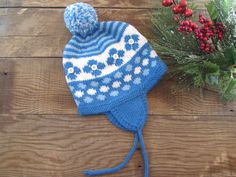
(189, 63)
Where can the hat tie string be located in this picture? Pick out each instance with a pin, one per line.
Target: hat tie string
(137, 137)
(118, 167)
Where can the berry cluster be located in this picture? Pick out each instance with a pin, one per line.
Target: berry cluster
(205, 34)
(180, 8)
(220, 29)
(187, 26)
(208, 32)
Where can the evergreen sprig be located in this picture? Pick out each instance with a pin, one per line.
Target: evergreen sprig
(216, 69)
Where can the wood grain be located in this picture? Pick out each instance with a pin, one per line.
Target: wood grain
(63, 145)
(95, 3)
(188, 134)
(37, 86)
(46, 37)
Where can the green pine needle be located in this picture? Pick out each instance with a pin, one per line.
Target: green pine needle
(186, 59)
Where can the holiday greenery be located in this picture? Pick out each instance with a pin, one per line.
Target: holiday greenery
(200, 46)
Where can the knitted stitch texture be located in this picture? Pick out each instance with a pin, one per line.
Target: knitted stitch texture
(109, 68)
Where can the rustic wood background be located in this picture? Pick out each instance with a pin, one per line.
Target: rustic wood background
(188, 134)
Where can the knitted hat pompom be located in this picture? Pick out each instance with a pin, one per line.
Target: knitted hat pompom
(81, 18)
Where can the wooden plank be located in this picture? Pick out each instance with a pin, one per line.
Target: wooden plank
(37, 86)
(42, 33)
(95, 3)
(60, 145)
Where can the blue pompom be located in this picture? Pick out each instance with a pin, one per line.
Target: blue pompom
(81, 18)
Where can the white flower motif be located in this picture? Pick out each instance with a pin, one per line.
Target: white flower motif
(154, 63)
(101, 97)
(114, 93)
(91, 91)
(88, 99)
(79, 93)
(128, 68)
(127, 78)
(145, 62)
(94, 84)
(104, 89)
(81, 85)
(118, 75)
(126, 87)
(106, 80)
(137, 70)
(153, 54)
(116, 84)
(146, 72)
(137, 60)
(137, 80)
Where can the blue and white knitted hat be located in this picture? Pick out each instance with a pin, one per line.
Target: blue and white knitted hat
(109, 68)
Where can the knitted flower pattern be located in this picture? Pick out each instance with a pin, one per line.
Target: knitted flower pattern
(130, 75)
(94, 67)
(115, 57)
(131, 42)
(71, 71)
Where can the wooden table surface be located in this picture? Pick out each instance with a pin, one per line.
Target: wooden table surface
(188, 134)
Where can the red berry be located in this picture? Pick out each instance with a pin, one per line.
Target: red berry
(190, 30)
(167, 3)
(186, 23)
(176, 9)
(201, 21)
(201, 35)
(208, 34)
(183, 3)
(188, 12)
(209, 23)
(194, 26)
